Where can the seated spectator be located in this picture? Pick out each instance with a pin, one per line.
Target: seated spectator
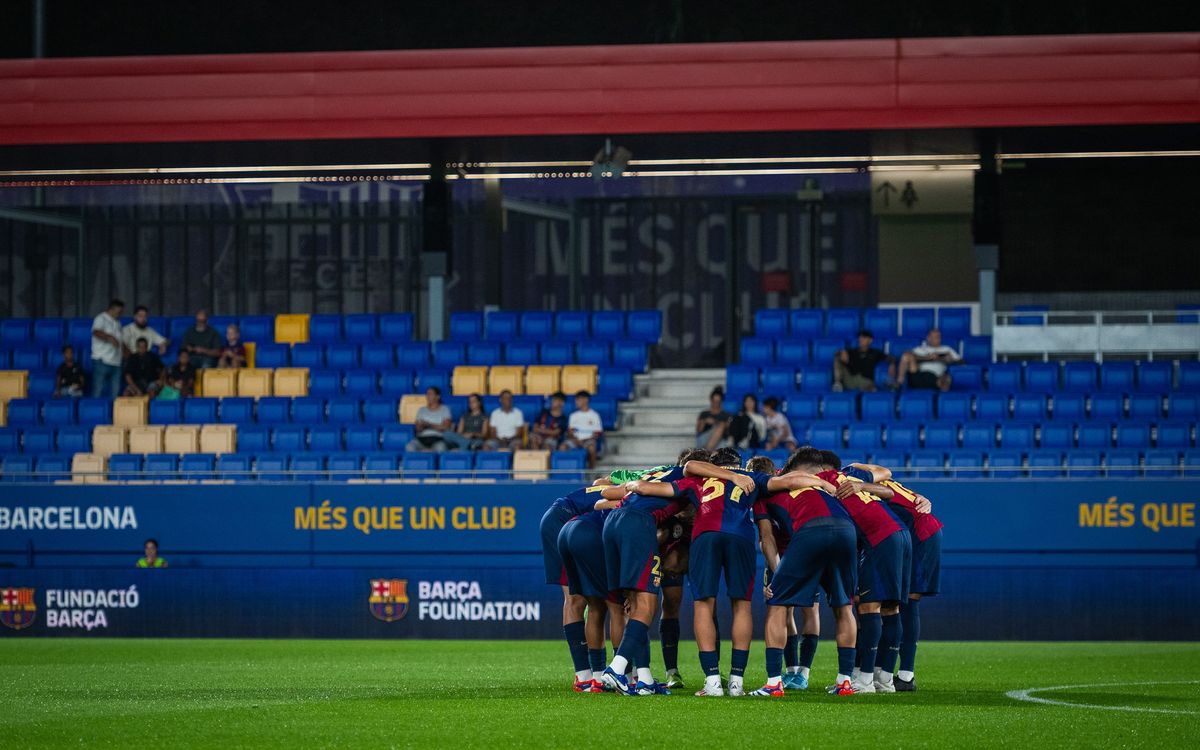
(926, 366)
(712, 423)
(551, 425)
(68, 379)
(433, 420)
(233, 354)
(202, 342)
(182, 375)
(584, 428)
(506, 425)
(140, 329)
(779, 429)
(748, 429)
(854, 367)
(472, 427)
(151, 560)
(144, 371)
(106, 351)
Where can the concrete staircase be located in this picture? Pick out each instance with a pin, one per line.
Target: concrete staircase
(661, 420)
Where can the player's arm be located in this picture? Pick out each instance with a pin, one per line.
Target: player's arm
(880, 473)
(650, 489)
(709, 471)
(798, 480)
(602, 481)
(766, 536)
(848, 488)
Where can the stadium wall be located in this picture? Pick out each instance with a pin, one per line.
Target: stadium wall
(1031, 559)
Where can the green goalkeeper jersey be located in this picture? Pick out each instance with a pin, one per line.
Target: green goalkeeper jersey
(621, 476)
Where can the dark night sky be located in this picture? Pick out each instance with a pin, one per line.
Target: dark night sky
(138, 27)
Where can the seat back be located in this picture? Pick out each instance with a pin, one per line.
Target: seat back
(290, 381)
(218, 438)
(146, 439)
(181, 438)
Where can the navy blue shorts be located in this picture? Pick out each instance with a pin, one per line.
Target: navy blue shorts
(581, 545)
(822, 554)
(927, 566)
(670, 581)
(884, 570)
(631, 551)
(715, 553)
(553, 520)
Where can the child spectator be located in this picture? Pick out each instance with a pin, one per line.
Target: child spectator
(551, 424)
(69, 377)
(234, 352)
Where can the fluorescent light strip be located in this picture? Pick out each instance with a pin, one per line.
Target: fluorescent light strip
(925, 168)
(1096, 154)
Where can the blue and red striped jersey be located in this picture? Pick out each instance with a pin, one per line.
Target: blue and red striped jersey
(871, 515)
(788, 511)
(721, 505)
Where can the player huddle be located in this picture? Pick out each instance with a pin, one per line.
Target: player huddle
(853, 533)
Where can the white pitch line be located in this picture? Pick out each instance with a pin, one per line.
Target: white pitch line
(1027, 696)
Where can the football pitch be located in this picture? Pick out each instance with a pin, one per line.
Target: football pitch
(404, 693)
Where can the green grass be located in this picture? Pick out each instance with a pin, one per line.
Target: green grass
(444, 694)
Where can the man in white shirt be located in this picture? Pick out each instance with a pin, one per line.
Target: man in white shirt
(926, 366)
(507, 425)
(140, 329)
(106, 351)
(584, 428)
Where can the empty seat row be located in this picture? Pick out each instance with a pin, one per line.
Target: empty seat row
(416, 355)
(540, 379)
(986, 436)
(644, 326)
(844, 323)
(1009, 464)
(764, 351)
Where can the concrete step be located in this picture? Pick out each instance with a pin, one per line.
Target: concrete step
(714, 374)
(694, 390)
(654, 447)
(662, 419)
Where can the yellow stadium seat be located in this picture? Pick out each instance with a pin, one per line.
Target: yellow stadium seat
(108, 439)
(218, 438)
(129, 411)
(506, 378)
(181, 438)
(88, 468)
(13, 384)
(410, 404)
(468, 380)
(254, 383)
(542, 380)
(3, 413)
(251, 352)
(146, 439)
(291, 329)
(531, 465)
(217, 383)
(291, 381)
(577, 378)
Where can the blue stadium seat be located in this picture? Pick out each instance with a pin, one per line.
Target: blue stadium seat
(74, 440)
(378, 357)
(17, 468)
(1004, 464)
(808, 323)
(1016, 436)
(1183, 406)
(606, 407)
(1106, 406)
(824, 350)
(308, 355)
(289, 439)
(941, 435)
(842, 323)
(916, 406)
(124, 467)
(501, 325)
(608, 324)
(272, 355)
(825, 435)
(10, 440)
(537, 326)
(1189, 376)
(457, 464)
(977, 350)
(839, 407)
(220, 323)
(883, 322)
(1161, 463)
(344, 410)
(450, 354)
(804, 407)
(966, 464)
(307, 468)
(864, 438)
(1174, 435)
(396, 328)
(466, 326)
(179, 325)
(1156, 377)
(379, 466)
(271, 467)
(593, 352)
(978, 436)
(308, 410)
(1068, 406)
(955, 406)
(360, 328)
(792, 352)
(557, 353)
(1082, 463)
(199, 410)
(816, 379)
(1191, 463)
(324, 383)
(30, 357)
(396, 383)
(379, 410)
(5, 360)
(497, 464)
(413, 355)
(758, 352)
(1041, 376)
(394, 437)
(52, 467)
(1045, 464)
(1145, 406)
(166, 412)
(161, 466)
(80, 329)
(992, 407)
(645, 326)
(1122, 463)
(273, 410)
(879, 406)
(891, 459)
(1116, 376)
(15, 332)
(903, 437)
(344, 467)
(1079, 377)
(531, 406)
(94, 411)
(50, 333)
(954, 322)
(41, 384)
(1004, 377)
(772, 323)
(322, 329)
(433, 378)
(928, 464)
(521, 353)
(631, 354)
(196, 466)
(917, 321)
(615, 381)
(363, 438)
(257, 328)
(740, 379)
(1095, 435)
(571, 325)
(1058, 435)
(418, 465)
(779, 381)
(236, 410)
(25, 412)
(484, 353)
(966, 377)
(1029, 407)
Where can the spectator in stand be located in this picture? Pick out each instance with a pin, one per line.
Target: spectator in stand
(68, 379)
(144, 371)
(712, 422)
(182, 375)
(433, 421)
(234, 352)
(140, 329)
(506, 425)
(584, 428)
(202, 342)
(106, 351)
(151, 560)
(472, 427)
(551, 424)
(779, 430)
(927, 366)
(854, 368)
(748, 429)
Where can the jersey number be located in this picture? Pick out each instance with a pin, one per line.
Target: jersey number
(714, 489)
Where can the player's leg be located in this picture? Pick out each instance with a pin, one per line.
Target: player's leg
(668, 630)
(791, 649)
(846, 636)
(839, 580)
(739, 558)
(704, 576)
(810, 634)
(891, 630)
(926, 581)
(616, 624)
(573, 631)
(594, 633)
(775, 634)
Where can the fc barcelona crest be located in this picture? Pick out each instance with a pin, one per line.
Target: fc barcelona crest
(17, 609)
(389, 599)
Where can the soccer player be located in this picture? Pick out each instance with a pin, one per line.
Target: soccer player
(581, 546)
(914, 509)
(675, 540)
(883, 568)
(820, 553)
(556, 516)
